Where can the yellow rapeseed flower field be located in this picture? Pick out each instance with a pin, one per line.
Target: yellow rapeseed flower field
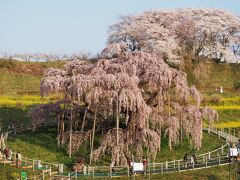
(230, 124)
(234, 107)
(26, 100)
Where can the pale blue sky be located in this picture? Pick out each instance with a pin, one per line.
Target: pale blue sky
(76, 25)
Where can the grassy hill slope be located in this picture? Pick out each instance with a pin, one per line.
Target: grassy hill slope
(24, 77)
(18, 78)
(19, 91)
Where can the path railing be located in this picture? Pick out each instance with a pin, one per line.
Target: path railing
(212, 158)
(47, 169)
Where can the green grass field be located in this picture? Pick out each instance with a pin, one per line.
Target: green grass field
(44, 142)
(12, 173)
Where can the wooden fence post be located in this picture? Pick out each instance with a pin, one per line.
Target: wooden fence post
(178, 165)
(33, 165)
(209, 155)
(149, 173)
(174, 165)
(50, 171)
(14, 130)
(206, 159)
(145, 169)
(219, 159)
(93, 171)
(88, 170)
(222, 150)
(166, 164)
(76, 173)
(127, 170)
(110, 170)
(162, 168)
(154, 167)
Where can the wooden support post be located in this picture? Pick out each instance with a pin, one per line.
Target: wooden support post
(33, 165)
(166, 164)
(93, 171)
(193, 164)
(84, 118)
(90, 140)
(93, 133)
(127, 170)
(43, 175)
(161, 168)
(58, 137)
(70, 133)
(117, 126)
(222, 150)
(209, 155)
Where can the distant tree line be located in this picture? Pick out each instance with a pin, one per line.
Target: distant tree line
(43, 57)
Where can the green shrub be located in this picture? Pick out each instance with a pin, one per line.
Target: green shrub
(237, 85)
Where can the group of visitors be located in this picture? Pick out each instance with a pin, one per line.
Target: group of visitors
(192, 159)
(6, 153)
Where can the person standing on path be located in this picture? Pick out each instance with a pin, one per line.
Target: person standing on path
(185, 159)
(6, 153)
(19, 159)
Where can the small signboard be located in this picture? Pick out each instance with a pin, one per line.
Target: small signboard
(23, 176)
(233, 152)
(138, 167)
